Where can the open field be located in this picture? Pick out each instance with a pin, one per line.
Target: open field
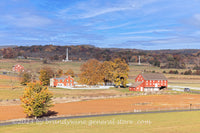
(178, 122)
(92, 93)
(185, 85)
(126, 104)
(15, 90)
(135, 69)
(36, 65)
(7, 82)
(10, 88)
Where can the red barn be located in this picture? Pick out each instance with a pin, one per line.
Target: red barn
(18, 68)
(63, 82)
(149, 82)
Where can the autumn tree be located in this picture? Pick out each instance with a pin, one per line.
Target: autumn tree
(45, 75)
(26, 78)
(36, 100)
(108, 72)
(91, 72)
(121, 70)
(59, 73)
(9, 53)
(70, 72)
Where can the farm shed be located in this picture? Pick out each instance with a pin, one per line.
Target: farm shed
(67, 81)
(18, 68)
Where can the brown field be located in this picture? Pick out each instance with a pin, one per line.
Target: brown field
(143, 103)
(9, 77)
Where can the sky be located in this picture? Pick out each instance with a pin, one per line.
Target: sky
(135, 24)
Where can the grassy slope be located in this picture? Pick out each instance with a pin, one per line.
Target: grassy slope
(35, 66)
(179, 122)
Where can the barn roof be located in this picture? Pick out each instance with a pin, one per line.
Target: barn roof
(136, 84)
(153, 76)
(63, 78)
(60, 78)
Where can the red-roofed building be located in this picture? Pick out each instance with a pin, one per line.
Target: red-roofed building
(149, 82)
(18, 68)
(64, 82)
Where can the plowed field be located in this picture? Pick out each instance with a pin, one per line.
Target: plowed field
(151, 102)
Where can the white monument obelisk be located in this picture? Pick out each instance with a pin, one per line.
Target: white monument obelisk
(67, 59)
(139, 61)
(67, 56)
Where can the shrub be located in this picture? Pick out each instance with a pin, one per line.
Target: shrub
(189, 72)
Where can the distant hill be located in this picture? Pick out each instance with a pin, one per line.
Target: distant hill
(170, 58)
(7, 46)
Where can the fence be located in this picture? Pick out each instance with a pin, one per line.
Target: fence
(84, 98)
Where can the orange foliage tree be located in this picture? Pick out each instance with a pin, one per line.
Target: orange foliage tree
(91, 73)
(121, 70)
(45, 75)
(70, 72)
(94, 72)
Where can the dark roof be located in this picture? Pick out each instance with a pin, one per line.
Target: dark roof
(136, 84)
(153, 76)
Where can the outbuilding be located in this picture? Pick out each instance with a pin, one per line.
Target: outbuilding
(18, 68)
(62, 82)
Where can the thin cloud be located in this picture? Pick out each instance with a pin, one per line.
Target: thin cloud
(147, 31)
(94, 9)
(90, 14)
(113, 27)
(27, 20)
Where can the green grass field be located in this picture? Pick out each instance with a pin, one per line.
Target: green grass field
(178, 122)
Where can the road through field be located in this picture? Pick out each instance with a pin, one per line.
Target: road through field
(114, 105)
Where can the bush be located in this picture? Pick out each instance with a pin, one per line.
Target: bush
(164, 71)
(189, 72)
(196, 67)
(173, 72)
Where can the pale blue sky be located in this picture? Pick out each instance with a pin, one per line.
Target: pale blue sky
(140, 24)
